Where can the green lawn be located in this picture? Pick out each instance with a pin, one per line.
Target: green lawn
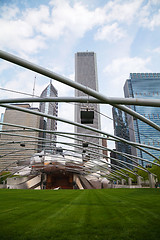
(80, 214)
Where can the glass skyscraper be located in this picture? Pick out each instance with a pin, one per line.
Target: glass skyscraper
(50, 108)
(144, 85)
(121, 130)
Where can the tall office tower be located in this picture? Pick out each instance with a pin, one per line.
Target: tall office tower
(50, 108)
(86, 74)
(121, 130)
(13, 146)
(144, 85)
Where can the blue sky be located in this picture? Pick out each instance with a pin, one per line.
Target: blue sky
(125, 34)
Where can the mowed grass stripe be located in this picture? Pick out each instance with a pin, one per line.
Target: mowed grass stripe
(80, 214)
(137, 212)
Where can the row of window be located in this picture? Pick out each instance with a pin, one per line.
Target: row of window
(152, 116)
(85, 54)
(145, 75)
(153, 143)
(147, 94)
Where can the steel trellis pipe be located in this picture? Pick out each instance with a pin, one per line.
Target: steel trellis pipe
(123, 154)
(80, 134)
(73, 123)
(111, 100)
(26, 64)
(73, 144)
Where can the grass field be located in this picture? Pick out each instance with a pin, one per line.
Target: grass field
(80, 214)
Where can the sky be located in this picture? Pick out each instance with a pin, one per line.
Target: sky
(124, 34)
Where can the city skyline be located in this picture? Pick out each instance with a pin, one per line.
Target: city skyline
(124, 34)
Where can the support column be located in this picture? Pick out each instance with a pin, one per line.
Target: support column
(43, 180)
(129, 181)
(151, 180)
(122, 181)
(139, 181)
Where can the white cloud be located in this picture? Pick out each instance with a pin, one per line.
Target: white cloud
(21, 81)
(149, 15)
(37, 16)
(76, 20)
(122, 11)
(9, 12)
(18, 35)
(151, 22)
(156, 2)
(156, 50)
(4, 65)
(155, 21)
(28, 31)
(127, 65)
(118, 71)
(18, 29)
(111, 33)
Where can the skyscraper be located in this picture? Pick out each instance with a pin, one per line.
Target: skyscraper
(50, 108)
(86, 74)
(121, 130)
(144, 85)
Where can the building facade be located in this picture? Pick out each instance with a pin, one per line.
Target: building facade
(18, 144)
(121, 130)
(146, 86)
(86, 74)
(50, 108)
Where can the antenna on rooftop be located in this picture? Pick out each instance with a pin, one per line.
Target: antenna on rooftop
(34, 87)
